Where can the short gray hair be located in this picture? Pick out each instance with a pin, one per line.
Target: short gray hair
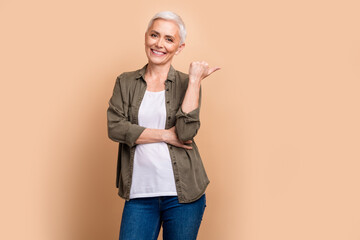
(168, 15)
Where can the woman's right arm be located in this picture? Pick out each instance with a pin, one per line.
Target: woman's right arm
(162, 135)
(120, 129)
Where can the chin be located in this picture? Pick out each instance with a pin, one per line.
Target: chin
(157, 61)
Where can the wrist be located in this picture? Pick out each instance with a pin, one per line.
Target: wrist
(194, 83)
(163, 135)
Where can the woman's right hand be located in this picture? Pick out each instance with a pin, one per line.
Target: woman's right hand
(171, 138)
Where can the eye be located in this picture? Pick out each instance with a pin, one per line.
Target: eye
(169, 40)
(153, 35)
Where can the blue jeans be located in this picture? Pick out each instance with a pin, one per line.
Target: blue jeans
(143, 217)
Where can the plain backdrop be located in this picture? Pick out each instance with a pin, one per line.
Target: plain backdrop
(279, 134)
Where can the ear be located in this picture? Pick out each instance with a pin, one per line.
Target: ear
(180, 48)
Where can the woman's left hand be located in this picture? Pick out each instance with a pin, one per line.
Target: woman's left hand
(170, 137)
(200, 70)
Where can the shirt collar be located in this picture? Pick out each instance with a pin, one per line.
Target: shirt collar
(170, 76)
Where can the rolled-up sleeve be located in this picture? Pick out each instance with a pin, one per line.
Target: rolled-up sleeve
(120, 129)
(188, 124)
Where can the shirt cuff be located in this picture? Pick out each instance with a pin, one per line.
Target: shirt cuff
(133, 134)
(192, 116)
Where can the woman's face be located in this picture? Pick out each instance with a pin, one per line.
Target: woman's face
(162, 42)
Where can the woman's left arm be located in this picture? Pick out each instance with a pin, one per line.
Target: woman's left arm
(188, 122)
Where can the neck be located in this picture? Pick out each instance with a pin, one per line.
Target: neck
(157, 71)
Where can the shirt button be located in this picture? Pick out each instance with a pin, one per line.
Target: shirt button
(167, 101)
(169, 117)
(167, 89)
(174, 162)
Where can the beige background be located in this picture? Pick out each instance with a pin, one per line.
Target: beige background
(280, 122)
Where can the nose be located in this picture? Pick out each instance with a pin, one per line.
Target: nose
(159, 43)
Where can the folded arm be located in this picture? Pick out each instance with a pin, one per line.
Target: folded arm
(162, 135)
(120, 129)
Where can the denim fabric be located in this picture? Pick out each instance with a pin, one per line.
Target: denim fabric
(143, 217)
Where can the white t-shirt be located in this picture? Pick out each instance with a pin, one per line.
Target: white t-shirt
(152, 173)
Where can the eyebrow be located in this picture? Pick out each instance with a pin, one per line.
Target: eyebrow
(165, 35)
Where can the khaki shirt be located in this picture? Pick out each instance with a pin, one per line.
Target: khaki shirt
(122, 115)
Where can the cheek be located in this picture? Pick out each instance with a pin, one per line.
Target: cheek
(149, 41)
(171, 48)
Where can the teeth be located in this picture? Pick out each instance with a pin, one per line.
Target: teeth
(158, 52)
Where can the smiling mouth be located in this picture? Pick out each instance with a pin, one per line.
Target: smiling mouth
(158, 53)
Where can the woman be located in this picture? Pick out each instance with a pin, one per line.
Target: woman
(154, 115)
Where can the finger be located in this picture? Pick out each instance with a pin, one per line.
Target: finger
(186, 147)
(211, 70)
(182, 146)
(188, 141)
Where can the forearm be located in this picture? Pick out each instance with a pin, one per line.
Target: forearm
(188, 122)
(161, 135)
(191, 99)
(150, 135)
